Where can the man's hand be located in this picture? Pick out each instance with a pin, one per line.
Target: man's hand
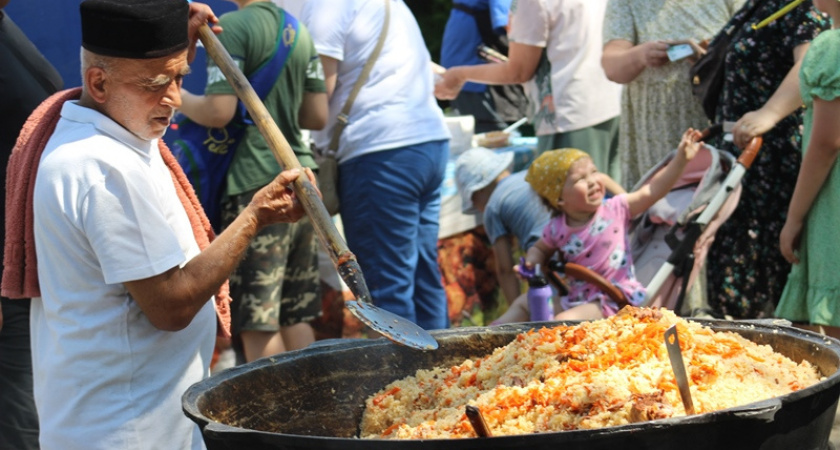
(200, 14)
(277, 201)
(171, 300)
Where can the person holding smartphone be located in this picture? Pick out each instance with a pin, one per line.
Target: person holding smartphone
(555, 49)
(646, 48)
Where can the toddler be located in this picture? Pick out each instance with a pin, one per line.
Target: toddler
(589, 231)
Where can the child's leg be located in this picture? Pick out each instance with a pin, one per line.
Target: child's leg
(516, 312)
(586, 311)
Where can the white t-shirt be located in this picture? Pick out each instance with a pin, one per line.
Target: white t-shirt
(106, 212)
(396, 106)
(571, 33)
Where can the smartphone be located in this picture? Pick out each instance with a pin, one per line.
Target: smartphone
(679, 51)
(490, 55)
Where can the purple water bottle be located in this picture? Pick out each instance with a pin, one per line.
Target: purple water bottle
(539, 297)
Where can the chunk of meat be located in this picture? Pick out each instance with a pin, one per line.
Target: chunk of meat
(650, 406)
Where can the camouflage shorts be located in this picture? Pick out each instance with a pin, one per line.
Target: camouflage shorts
(277, 284)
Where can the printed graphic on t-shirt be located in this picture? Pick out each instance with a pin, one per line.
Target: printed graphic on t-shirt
(215, 75)
(315, 71)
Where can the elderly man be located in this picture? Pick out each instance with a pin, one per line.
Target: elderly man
(124, 322)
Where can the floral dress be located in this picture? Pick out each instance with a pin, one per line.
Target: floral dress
(746, 271)
(658, 106)
(813, 288)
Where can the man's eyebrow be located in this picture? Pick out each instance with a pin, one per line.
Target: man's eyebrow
(161, 80)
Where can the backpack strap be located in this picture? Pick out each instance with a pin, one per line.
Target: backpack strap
(485, 27)
(265, 76)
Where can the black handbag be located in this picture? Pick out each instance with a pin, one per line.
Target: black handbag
(707, 77)
(707, 74)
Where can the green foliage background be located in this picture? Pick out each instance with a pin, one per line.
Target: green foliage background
(431, 16)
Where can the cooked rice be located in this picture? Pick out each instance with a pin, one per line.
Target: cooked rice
(596, 374)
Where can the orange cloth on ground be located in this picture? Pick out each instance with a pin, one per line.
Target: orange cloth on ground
(20, 266)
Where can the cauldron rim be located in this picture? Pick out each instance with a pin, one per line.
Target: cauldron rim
(761, 410)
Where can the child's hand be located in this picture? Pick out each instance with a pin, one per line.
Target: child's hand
(662, 182)
(690, 144)
(524, 269)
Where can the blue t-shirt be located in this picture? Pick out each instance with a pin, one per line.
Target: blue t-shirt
(461, 37)
(515, 209)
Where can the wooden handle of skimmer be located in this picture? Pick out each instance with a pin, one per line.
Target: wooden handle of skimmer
(305, 191)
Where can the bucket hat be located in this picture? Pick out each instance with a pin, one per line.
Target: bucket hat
(475, 169)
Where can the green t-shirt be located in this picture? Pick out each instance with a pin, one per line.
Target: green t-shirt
(251, 37)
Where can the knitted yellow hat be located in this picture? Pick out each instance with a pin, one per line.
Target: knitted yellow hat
(547, 174)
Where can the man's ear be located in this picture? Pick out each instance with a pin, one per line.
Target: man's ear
(97, 83)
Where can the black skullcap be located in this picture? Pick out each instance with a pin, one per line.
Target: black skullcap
(137, 29)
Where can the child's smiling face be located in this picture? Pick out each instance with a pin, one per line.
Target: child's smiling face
(583, 191)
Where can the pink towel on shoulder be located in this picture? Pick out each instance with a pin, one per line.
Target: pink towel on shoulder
(20, 266)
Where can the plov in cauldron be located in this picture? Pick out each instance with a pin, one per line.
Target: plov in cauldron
(596, 374)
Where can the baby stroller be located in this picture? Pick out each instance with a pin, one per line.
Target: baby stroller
(670, 240)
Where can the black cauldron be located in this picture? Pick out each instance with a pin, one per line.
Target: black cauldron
(314, 399)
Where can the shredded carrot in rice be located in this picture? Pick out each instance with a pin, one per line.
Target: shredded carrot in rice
(595, 374)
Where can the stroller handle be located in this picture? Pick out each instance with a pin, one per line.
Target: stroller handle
(683, 250)
(583, 273)
(747, 155)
